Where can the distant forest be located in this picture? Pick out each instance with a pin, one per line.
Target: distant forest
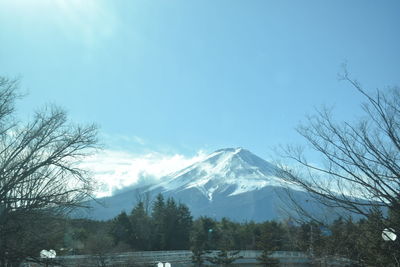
(164, 224)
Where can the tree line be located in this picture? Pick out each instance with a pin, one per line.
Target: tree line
(168, 225)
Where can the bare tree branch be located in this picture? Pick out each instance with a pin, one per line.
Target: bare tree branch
(39, 170)
(362, 170)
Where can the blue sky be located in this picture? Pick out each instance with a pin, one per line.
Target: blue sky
(178, 79)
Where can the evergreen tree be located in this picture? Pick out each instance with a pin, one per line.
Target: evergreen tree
(272, 236)
(343, 240)
(226, 244)
(204, 237)
(177, 223)
(185, 223)
(172, 224)
(270, 240)
(141, 228)
(198, 256)
(229, 234)
(158, 213)
(267, 260)
(247, 235)
(205, 234)
(121, 229)
(224, 257)
(374, 250)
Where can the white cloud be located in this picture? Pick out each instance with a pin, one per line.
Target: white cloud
(115, 170)
(116, 140)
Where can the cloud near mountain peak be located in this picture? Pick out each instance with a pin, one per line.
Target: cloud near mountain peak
(115, 170)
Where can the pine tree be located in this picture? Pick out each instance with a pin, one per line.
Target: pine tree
(121, 229)
(224, 257)
(185, 223)
(271, 239)
(141, 228)
(204, 237)
(172, 224)
(158, 213)
(267, 260)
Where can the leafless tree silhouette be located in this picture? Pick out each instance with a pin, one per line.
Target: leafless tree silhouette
(361, 169)
(39, 169)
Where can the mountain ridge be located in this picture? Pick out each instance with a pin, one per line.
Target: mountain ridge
(226, 168)
(230, 182)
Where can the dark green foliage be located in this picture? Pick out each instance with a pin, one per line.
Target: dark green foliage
(205, 234)
(141, 228)
(224, 257)
(167, 228)
(184, 226)
(177, 222)
(158, 226)
(272, 238)
(246, 236)
(343, 239)
(170, 227)
(202, 239)
(267, 260)
(121, 229)
(227, 235)
(30, 234)
(375, 251)
(199, 256)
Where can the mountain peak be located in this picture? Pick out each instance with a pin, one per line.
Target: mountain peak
(229, 149)
(230, 171)
(230, 153)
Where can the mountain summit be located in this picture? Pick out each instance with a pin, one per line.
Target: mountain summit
(229, 171)
(230, 182)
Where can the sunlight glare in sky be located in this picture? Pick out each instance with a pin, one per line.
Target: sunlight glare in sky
(84, 21)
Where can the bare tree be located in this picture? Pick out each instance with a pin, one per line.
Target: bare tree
(39, 167)
(360, 169)
(361, 160)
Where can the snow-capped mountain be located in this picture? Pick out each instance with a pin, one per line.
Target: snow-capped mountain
(232, 171)
(231, 182)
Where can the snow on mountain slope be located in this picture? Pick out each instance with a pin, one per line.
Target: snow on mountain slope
(231, 183)
(232, 171)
